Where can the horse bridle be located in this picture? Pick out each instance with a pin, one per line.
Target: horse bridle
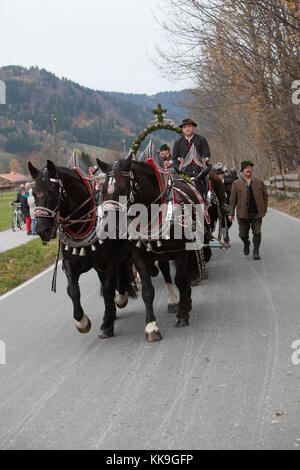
(134, 187)
(42, 212)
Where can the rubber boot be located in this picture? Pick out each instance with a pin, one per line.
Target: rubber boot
(256, 243)
(246, 246)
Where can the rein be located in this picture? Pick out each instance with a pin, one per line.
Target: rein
(81, 219)
(64, 223)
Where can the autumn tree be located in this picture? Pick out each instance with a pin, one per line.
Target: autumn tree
(14, 166)
(243, 57)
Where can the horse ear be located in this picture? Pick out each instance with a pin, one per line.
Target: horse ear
(128, 162)
(105, 167)
(32, 170)
(51, 168)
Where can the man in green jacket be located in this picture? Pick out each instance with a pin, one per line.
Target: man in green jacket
(250, 196)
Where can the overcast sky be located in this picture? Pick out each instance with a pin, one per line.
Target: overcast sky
(102, 44)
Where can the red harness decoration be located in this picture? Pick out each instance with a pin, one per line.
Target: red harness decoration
(151, 162)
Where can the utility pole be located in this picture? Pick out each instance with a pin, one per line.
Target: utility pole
(124, 143)
(54, 134)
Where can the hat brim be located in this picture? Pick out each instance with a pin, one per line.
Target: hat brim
(188, 124)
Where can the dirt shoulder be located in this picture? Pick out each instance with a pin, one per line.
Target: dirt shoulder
(290, 206)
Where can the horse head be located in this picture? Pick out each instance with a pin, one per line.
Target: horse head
(48, 188)
(118, 176)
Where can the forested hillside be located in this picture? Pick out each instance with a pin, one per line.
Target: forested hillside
(95, 118)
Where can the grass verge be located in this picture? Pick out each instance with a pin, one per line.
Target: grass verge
(6, 210)
(21, 263)
(290, 206)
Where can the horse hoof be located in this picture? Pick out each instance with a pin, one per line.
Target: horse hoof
(122, 305)
(173, 308)
(181, 322)
(195, 283)
(87, 329)
(121, 299)
(106, 333)
(153, 337)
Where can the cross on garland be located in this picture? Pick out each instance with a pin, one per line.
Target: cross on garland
(159, 112)
(153, 127)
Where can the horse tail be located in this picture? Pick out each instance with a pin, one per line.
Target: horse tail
(126, 278)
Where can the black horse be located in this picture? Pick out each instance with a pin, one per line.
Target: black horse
(137, 182)
(61, 193)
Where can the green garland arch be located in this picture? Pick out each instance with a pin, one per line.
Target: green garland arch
(155, 127)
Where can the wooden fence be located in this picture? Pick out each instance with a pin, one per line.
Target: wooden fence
(284, 184)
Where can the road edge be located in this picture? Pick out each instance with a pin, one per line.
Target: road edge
(29, 281)
(283, 213)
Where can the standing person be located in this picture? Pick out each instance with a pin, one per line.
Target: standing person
(22, 187)
(171, 166)
(165, 154)
(250, 196)
(230, 177)
(217, 178)
(32, 206)
(22, 198)
(219, 171)
(18, 200)
(25, 208)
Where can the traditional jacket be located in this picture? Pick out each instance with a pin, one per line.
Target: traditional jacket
(181, 148)
(239, 198)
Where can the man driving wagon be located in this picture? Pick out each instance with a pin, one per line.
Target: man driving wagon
(198, 166)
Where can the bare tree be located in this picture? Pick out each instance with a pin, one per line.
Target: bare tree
(243, 57)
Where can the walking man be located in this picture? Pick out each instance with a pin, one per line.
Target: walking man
(250, 196)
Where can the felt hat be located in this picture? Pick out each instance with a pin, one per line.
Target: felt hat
(188, 121)
(218, 169)
(246, 163)
(164, 147)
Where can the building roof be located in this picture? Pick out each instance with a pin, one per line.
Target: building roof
(14, 177)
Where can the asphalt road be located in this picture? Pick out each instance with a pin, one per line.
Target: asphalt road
(226, 382)
(10, 239)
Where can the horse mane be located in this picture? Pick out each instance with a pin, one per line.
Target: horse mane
(44, 183)
(145, 167)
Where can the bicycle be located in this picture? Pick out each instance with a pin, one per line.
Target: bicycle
(17, 217)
